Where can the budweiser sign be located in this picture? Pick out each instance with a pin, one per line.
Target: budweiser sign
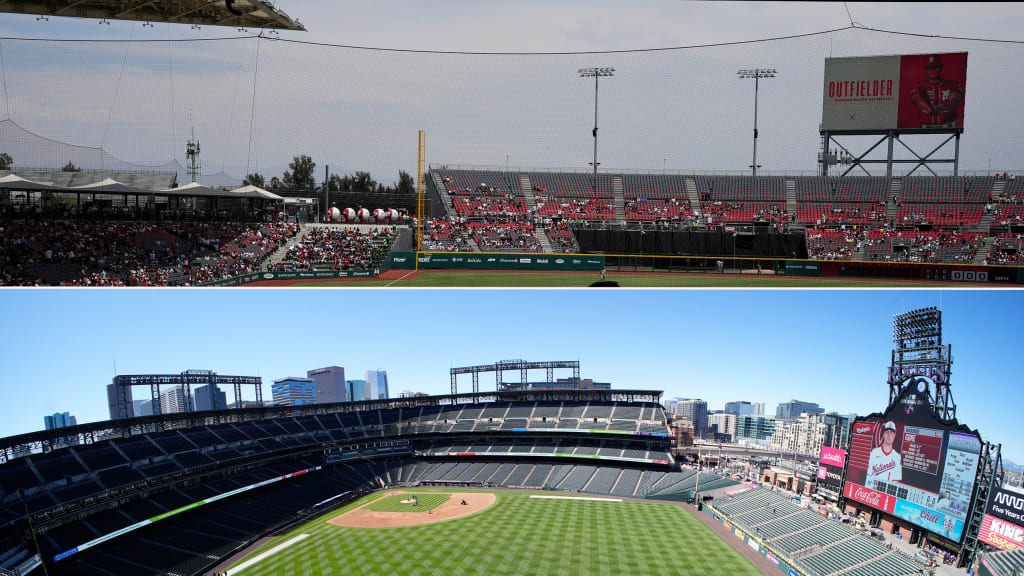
(870, 497)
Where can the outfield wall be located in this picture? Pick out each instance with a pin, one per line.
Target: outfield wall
(307, 275)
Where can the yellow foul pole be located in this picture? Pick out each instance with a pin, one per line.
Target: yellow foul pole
(419, 198)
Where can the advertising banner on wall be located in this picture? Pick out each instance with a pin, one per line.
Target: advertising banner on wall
(830, 467)
(908, 92)
(1003, 523)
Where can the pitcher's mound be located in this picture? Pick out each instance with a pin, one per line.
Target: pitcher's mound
(453, 508)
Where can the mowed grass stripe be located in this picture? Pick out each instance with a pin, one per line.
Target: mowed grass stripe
(523, 537)
(424, 503)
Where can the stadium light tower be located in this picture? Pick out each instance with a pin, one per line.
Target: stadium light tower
(756, 74)
(596, 73)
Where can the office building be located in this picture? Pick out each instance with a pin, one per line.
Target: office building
(143, 407)
(174, 401)
(112, 404)
(62, 420)
(293, 391)
(742, 408)
(723, 423)
(358, 390)
(329, 384)
(59, 420)
(378, 382)
(754, 429)
(210, 397)
(794, 408)
(695, 410)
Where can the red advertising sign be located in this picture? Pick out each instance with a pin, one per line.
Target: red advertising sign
(932, 90)
(833, 457)
(1001, 534)
(870, 497)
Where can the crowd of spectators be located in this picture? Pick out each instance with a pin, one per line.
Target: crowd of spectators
(571, 207)
(339, 249)
(673, 208)
(242, 253)
(475, 206)
(445, 235)
(1007, 215)
(833, 244)
(130, 253)
(507, 236)
(560, 234)
(1006, 249)
(838, 214)
(722, 211)
(923, 246)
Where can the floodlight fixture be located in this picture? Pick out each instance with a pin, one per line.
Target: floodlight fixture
(756, 74)
(596, 73)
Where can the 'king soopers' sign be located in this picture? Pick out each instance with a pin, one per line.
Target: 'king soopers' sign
(1003, 523)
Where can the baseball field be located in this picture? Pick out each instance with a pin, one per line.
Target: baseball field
(494, 533)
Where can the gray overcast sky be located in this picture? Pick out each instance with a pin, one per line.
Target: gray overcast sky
(355, 109)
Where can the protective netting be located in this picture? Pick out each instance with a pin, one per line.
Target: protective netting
(681, 110)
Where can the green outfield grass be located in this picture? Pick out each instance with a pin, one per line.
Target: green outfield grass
(426, 502)
(446, 279)
(517, 536)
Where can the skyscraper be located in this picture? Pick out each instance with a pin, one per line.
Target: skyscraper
(59, 420)
(329, 384)
(62, 420)
(358, 390)
(210, 397)
(378, 382)
(174, 401)
(112, 404)
(293, 391)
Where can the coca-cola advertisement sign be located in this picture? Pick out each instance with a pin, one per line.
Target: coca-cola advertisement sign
(872, 498)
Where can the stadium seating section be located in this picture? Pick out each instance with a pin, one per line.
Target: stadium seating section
(153, 472)
(819, 545)
(944, 219)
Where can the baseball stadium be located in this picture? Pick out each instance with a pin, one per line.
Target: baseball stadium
(538, 476)
(151, 162)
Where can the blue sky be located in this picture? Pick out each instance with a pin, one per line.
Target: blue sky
(831, 347)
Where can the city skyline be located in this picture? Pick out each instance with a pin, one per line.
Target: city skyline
(832, 348)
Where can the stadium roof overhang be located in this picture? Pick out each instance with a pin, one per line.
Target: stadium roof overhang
(235, 13)
(96, 431)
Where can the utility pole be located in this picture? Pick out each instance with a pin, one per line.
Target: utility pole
(756, 74)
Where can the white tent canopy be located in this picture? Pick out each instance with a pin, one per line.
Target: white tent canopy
(251, 191)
